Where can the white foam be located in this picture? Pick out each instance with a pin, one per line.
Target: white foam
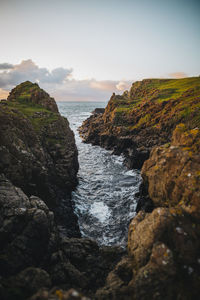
(100, 211)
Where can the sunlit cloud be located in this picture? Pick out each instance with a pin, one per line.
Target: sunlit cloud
(59, 82)
(107, 85)
(123, 85)
(178, 75)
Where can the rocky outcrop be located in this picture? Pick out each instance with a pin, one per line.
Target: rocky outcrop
(27, 229)
(30, 93)
(163, 243)
(33, 255)
(144, 117)
(37, 149)
(172, 173)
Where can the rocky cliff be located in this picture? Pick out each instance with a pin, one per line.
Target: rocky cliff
(39, 162)
(156, 125)
(38, 167)
(34, 256)
(37, 150)
(164, 245)
(144, 117)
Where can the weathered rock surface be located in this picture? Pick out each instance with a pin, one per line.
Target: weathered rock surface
(161, 116)
(37, 149)
(27, 229)
(33, 94)
(163, 259)
(164, 245)
(33, 255)
(172, 172)
(144, 117)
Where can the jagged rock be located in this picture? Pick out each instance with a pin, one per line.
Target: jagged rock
(34, 256)
(32, 93)
(98, 111)
(172, 172)
(135, 122)
(116, 286)
(27, 229)
(80, 263)
(25, 284)
(38, 151)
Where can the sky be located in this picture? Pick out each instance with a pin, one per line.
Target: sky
(84, 50)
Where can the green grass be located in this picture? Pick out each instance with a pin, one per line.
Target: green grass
(147, 96)
(30, 110)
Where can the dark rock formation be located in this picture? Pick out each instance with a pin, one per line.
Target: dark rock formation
(163, 243)
(172, 172)
(146, 116)
(34, 256)
(32, 94)
(37, 149)
(98, 111)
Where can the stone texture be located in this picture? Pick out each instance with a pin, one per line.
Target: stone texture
(32, 93)
(172, 172)
(38, 151)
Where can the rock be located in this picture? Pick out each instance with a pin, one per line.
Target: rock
(144, 117)
(38, 151)
(172, 172)
(80, 263)
(25, 284)
(117, 282)
(98, 111)
(144, 201)
(33, 255)
(27, 229)
(31, 93)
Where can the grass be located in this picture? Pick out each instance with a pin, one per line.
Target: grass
(181, 99)
(38, 115)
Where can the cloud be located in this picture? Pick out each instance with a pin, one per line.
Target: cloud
(28, 70)
(5, 66)
(59, 82)
(123, 85)
(178, 75)
(107, 85)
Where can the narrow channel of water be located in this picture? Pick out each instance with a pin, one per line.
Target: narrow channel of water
(104, 199)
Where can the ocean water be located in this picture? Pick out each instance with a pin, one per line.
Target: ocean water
(104, 198)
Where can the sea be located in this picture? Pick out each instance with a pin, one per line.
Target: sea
(104, 199)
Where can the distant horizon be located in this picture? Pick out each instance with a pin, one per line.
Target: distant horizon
(86, 100)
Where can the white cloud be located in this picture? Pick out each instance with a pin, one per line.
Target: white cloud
(59, 82)
(123, 85)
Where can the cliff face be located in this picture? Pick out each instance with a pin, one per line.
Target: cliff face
(164, 245)
(172, 172)
(144, 117)
(160, 117)
(33, 255)
(38, 167)
(37, 148)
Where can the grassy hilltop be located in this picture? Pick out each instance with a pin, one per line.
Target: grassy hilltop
(158, 102)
